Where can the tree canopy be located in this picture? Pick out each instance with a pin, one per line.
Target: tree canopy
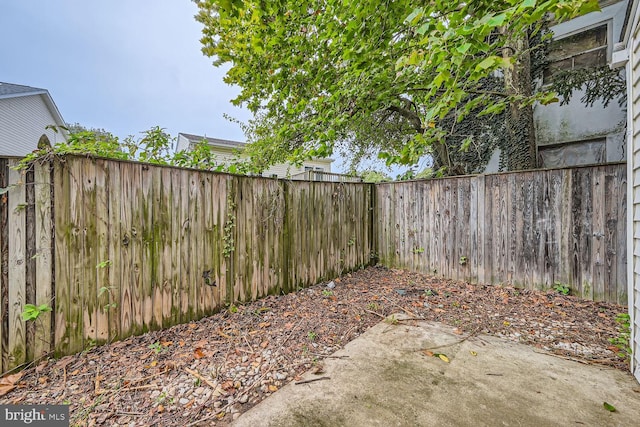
(390, 78)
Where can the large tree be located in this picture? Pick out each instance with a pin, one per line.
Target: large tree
(396, 78)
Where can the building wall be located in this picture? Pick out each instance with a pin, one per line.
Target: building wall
(633, 221)
(575, 122)
(285, 171)
(226, 155)
(22, 122)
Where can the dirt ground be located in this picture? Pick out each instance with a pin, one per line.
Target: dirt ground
(209, 372)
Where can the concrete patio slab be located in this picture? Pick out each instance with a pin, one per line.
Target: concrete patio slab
(383, 378)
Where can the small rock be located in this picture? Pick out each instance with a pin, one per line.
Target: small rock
(183, 401)
(331, 285)
(243, 399)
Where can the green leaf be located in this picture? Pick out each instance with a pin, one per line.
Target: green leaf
(414, 16)
(497, 20)
(487, 63)
(527, 4)
(609, 407)
(463, 48)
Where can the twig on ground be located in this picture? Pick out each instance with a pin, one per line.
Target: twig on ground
(290, 333)
(208, 417)
(201, 378)
(410, 313)
(311, 380)
(475, 331)
(575, 359)
(373, 312)
(142, 387)
(247, 341)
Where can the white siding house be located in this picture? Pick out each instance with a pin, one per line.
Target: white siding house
(628, 55)
(227, 151)
(25, 112)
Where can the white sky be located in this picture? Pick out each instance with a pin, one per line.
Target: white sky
(121, 65)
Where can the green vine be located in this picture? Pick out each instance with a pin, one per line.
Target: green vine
(229, 226)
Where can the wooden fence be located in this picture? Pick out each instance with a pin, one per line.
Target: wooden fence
(528, 229)
(120, 248)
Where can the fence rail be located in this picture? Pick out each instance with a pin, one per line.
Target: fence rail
(118, 248)
(529, 229)
(324, 177)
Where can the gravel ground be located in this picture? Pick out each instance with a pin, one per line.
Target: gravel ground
(209, 372)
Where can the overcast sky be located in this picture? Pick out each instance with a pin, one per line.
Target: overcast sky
(121, 65)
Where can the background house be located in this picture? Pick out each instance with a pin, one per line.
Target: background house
(227, 151)
(25, 112)
(574, 134)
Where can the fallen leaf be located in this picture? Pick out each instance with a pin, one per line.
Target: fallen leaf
(473, 353)
(273, 388)
(264, 344)
(181, 343)
(457, 331)
(287, 314)
(8, 383)
(166, 343)
(192, 325)
(288, 326)
(76, 372)
(602, 315)
(264, 324)
(609, 407)
(319, 369)
(160, 408)
(443, 358)
(198, 353)
(428, 353)
(505, 323)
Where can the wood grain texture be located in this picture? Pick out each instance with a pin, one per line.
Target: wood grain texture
(532, 229)
(16, 197)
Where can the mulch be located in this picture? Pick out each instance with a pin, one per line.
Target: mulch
(210, 371)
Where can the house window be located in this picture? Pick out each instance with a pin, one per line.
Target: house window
(274, 175)
(582, 50)
(319, 169)
(573, 154)
(308, 168)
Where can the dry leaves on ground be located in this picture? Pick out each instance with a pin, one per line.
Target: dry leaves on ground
(209, 372)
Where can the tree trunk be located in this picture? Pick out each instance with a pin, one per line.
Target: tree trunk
(520, 148)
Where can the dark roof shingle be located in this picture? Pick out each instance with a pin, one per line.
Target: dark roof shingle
(213, 141)
(10, 89)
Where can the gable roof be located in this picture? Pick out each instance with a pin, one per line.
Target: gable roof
(216, 142)
(11, 90)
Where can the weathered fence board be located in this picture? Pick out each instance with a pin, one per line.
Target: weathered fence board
(530, 229)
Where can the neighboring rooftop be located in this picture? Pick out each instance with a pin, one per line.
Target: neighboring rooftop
(8, 90)
(213, 141)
